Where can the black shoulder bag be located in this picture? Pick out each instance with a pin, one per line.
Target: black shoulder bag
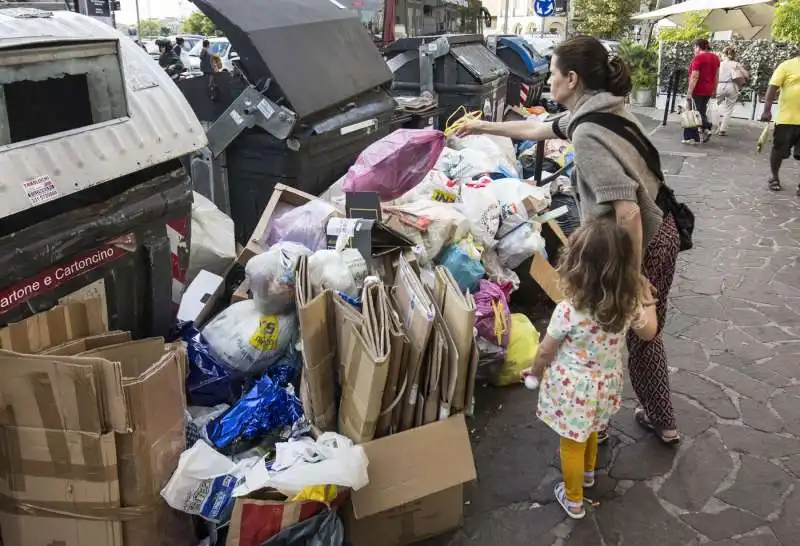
(666, 200)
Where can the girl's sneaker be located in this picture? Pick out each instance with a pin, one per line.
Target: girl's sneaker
(588, 480)
(573, 509)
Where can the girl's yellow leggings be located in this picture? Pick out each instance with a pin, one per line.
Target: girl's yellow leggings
(577, 458)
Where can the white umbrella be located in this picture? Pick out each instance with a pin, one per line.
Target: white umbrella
(746, 17)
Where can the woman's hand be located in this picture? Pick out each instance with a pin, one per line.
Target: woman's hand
(470, 127)
(647, 296)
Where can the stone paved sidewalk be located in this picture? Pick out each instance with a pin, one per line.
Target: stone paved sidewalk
(733, 338)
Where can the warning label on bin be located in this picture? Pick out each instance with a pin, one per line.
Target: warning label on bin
(40, 189)
(50, 279)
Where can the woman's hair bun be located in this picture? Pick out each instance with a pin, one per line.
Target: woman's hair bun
(619, 77)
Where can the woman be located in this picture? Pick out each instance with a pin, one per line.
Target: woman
(730, 71)
(612, 180)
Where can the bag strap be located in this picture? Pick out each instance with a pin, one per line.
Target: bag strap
(629, 131)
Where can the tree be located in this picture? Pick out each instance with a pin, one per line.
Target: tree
(786, 26)
(693, 29)
(604, 18)
(198, 23)
(150, 27)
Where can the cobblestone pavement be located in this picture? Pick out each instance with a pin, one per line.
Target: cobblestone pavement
(733, 338)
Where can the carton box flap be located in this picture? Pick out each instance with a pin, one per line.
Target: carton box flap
(414, 464)
(81, 345)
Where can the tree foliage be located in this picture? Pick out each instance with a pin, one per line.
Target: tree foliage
(693, 29)
(643, 63)
(152, 27)
(198, 23)
(604, 18)
(786, 26)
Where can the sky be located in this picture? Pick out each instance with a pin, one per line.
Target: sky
(153, 9)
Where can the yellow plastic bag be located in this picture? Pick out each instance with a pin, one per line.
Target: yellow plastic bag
(319, 493)
(523, 344)
(763, 138)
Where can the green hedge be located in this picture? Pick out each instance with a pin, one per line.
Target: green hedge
(760, 57)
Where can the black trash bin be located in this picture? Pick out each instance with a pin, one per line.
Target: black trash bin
(528, 70)
(316, 60)
(468, 75)
(116, 241)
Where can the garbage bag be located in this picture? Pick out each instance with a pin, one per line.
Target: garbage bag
(570, 221)
(520, 244)
(396, 163)
(324, 529)
(304, 225)
(492, 315)
(500, 149)
(523, 344)
(271, 276)
(213, 245)
(466, 270)
(437, 225)
(202, 484)
(498, 274)
(519, 201)
(436, 186)
(466, 164)
(482, 209)
(343, 271)
(264, 409)
(332, 459)
(209, 381)
(246, 340)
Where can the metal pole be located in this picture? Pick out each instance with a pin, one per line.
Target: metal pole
(505, 19)
(138, 23)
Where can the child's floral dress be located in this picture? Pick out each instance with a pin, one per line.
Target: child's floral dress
(582, 389)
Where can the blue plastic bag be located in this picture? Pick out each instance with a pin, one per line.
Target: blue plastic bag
(466, 270)
(264, 409)
(209, 382)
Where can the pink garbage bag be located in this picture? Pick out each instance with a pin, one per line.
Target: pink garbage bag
(396, 163)
(492, 313)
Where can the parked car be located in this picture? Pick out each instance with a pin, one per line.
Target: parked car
(217, 46)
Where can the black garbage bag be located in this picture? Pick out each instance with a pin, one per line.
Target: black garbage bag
(324, 529)
(572, 219)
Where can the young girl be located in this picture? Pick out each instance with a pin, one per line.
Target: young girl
(581, 355)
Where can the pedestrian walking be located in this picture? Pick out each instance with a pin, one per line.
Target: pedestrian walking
(786, 78)
(703, 77)
(613, 180)
(732, 76)
(579, 361)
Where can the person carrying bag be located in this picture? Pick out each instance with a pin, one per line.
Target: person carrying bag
(692, 122)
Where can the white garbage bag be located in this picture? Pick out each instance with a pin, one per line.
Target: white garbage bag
(271, 276)
(213, 244)
(520, 244)
(342, 271)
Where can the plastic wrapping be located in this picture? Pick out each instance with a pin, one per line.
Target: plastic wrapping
(271, 276)
(466, 164)
(492, 314)
(499, 149)
(497, 273)
(332, 459)
(323, 529)
(343, 271)
(203, 483)
(265, 408)
(246, 341)
(520, 244)
(213, 245)
(523, 345)
(209, 381)
(304, 225)
(396, 163)
(447, 224)
(482, 209)
(466, 271)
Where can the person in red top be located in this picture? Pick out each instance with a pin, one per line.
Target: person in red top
(703, 76)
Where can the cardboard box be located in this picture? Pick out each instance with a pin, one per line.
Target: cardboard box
(416, 485)
(88, 441)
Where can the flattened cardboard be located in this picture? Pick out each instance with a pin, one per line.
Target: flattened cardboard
(75, 347)
(316, 318)
(547, 277)
(459, 316)
(53, 327)
(415, 464)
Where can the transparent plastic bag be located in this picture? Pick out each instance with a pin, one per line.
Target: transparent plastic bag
(342, 271)
(396, 163)
(248, 341)
(304, 225)
(271, 276)
(520, 244)
(482, 210)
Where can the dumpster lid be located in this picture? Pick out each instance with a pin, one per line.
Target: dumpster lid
(484, 65)
(532, 59)
(316, 51)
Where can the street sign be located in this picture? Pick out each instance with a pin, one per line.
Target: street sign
(98, 8)
(544, 8)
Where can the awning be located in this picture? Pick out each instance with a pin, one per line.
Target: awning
(723, 14)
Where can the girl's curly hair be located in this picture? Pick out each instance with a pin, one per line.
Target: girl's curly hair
(598, 274)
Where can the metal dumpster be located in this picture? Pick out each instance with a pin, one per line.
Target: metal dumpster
(464, 73)
(314, 64)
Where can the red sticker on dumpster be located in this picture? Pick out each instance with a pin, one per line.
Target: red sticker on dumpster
(53, 277)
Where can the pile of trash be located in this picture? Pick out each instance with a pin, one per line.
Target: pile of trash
(364, 313)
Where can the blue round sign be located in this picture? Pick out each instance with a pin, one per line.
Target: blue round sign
(544, 8)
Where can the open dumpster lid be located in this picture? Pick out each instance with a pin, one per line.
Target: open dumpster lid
(316, 51)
